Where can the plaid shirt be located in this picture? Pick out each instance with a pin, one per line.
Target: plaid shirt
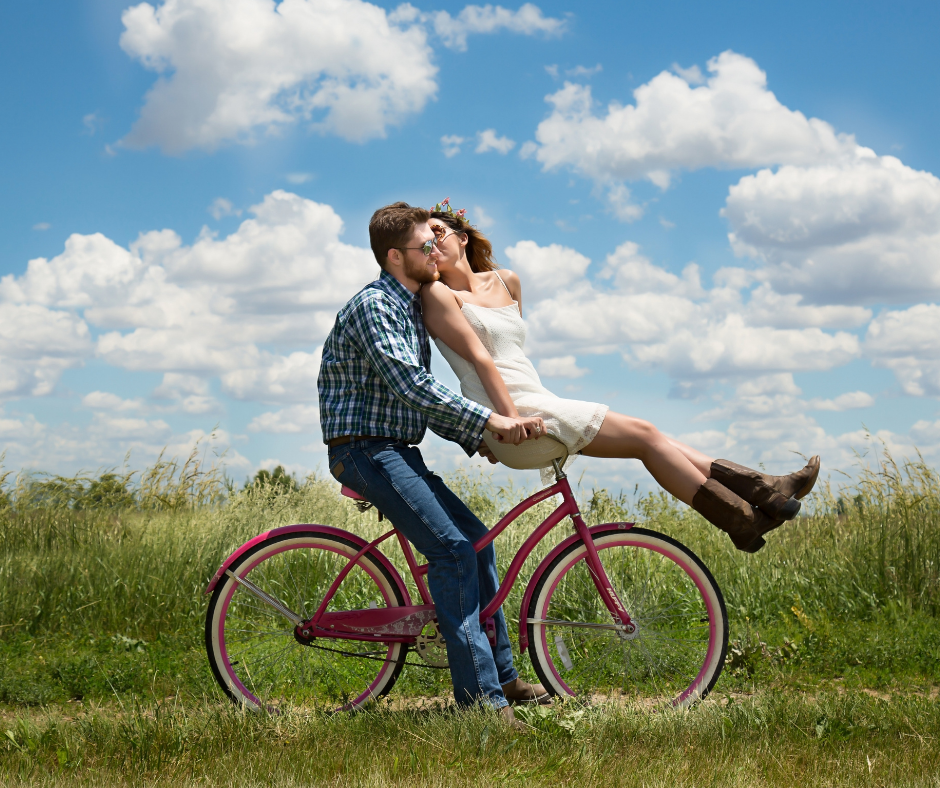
(375, 376)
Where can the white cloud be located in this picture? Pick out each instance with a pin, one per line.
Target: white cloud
(480, 218)
(227, 306)
(92, 123)
(487, 141)
(189, 393)
(693, 75)
(291, 378)
(528, 20)
(42, 226)
(584, 71)
(298, 178)
(295, 419)
(659, 320)
(546, 270)
(450, 144)
(552, 70)
(221, 207)
(731, 121)
(864, 229)
(848, 401)
(36, 346)
(769, 308)
(231, 68)
(561, 367)
(906, 342)
(104, 400)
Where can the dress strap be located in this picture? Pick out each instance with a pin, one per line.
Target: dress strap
(503, 284)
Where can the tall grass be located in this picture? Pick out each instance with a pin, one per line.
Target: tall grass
(865, 558)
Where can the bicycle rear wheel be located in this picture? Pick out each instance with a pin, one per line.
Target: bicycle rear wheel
(678, 650)
(251, 646)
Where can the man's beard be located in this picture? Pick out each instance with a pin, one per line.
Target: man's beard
(420, 272)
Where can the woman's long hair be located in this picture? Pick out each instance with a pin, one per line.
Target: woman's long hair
(479, 249)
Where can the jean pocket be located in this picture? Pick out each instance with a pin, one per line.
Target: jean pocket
(343, 469)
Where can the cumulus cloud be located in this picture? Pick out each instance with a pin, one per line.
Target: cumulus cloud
(732, 120)
(659, 320)
(906, 342)
(37, 345)
(229, 69)
(546, 270)
(291, 378)
(561, 367)
(105, 400)
(487, 141)
(848, 401)
(291, 420)
(528, 20)
(221, 207)
(864, 229)
(450, 144)
(235, 307)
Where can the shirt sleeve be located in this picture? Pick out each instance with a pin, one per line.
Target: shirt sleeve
(387, 339)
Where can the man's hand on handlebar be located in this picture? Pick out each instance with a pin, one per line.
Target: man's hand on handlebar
(484, 451)
(515, 430)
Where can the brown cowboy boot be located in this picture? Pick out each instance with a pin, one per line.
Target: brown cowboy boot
(521, 692)
(736, 517)
(776, 496)
(797, 485)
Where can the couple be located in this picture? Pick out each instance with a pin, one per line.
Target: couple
(378, 397)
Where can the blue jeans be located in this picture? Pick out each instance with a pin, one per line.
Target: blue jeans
(394, 478)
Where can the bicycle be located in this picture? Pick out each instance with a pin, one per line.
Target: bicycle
(315, 615)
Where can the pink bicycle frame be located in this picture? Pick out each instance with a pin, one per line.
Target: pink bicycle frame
(355, 624)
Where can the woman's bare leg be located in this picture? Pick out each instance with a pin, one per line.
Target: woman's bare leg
(701, 461)
(627, 437)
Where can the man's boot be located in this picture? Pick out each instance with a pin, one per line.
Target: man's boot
(776, 496)
(518, 691)
(733, 515)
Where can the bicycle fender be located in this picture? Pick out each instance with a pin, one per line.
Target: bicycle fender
(543, 567)
(322, 529)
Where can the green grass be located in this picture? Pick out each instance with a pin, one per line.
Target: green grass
(103, 676)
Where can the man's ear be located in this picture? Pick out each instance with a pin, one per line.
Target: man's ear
(393, 257)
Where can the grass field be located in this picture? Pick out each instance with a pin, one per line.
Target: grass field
(831, 677)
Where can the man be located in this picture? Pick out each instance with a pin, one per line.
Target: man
(377, 397)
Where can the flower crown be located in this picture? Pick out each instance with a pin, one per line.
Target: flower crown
(445, 207)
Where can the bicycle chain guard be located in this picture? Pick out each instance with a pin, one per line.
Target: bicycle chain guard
(430, 646)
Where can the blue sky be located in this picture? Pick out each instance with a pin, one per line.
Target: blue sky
(192, 180)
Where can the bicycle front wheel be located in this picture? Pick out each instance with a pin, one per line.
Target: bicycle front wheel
(678, 649)
(252, 649)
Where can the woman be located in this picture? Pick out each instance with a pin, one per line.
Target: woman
(474, 314)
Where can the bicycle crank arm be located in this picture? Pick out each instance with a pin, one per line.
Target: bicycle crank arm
(266, 598)
(582, 625)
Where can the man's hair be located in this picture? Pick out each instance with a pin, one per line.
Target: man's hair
(391, 227)
(479, 249)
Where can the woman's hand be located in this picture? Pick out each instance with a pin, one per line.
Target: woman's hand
(515, 430)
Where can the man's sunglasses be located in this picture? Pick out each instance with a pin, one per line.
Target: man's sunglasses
(425, 248)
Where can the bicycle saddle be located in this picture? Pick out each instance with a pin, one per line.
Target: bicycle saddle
(529, 455)
(351, 494)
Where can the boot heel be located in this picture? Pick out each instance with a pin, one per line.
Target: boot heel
(754, 546)
(790, 509)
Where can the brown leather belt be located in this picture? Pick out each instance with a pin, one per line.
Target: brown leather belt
(349, 438)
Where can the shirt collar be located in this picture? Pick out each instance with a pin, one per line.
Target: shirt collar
(395, 288)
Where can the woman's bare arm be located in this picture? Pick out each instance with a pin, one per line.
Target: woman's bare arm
(445, 321)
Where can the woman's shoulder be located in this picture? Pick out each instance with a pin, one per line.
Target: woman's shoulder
(511, 280)
(438, 293)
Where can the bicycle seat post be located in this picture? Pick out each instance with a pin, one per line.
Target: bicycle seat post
(559, 473)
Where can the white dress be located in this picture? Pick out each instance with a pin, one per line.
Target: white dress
(502, 331)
